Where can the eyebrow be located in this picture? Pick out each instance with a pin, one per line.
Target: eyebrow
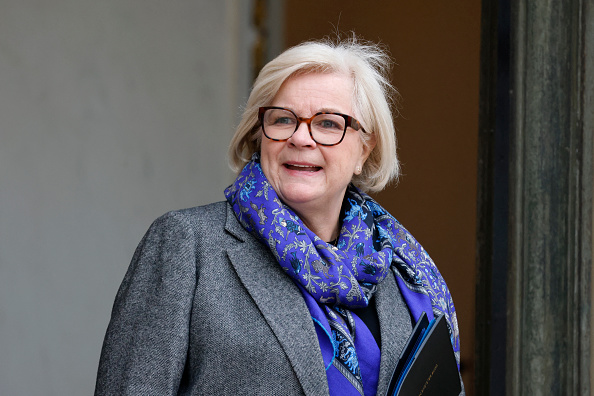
(322, 110)
(328, 110)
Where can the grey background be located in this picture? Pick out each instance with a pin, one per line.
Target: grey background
(111, 113)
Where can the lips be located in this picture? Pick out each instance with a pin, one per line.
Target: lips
(302, 167)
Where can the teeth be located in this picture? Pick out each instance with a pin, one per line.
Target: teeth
(303, 167)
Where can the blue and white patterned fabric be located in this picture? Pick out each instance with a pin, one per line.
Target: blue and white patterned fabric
(335, 279)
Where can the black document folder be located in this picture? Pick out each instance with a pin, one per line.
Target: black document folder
(427, 365)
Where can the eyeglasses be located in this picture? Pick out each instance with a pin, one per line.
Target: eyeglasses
(327, 129)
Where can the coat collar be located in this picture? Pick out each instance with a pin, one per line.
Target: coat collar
(234, 227)
(282, 305)
(386, 296)
(280, 302)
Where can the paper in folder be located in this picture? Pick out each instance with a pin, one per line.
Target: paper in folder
(427, 365)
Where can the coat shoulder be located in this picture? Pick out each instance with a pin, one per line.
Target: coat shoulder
(196, 220)
(215, 212)
(209, 225)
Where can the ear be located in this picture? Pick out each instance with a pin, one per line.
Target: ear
(367, 149)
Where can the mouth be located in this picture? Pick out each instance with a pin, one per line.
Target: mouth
(302, 168)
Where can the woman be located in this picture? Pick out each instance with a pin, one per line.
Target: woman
(298, 283)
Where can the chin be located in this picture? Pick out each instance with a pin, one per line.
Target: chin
(298, 198)
(299, 195)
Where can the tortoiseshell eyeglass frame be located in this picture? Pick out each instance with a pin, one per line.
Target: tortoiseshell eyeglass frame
(349, 122)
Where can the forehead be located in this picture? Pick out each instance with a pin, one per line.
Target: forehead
(307, 94)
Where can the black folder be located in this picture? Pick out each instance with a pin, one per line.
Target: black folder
(427, 365)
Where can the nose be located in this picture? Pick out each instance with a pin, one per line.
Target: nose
(301, 137)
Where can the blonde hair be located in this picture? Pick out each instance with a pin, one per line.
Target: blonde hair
(373, 99)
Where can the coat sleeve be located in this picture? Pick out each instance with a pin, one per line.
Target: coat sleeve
(146, 343)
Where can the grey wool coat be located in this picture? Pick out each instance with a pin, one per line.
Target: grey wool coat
(205, 309)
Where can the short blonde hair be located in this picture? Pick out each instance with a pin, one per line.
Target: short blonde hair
(373, 100)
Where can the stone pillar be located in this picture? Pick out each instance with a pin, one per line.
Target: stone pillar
(549, 284)
(544, 120)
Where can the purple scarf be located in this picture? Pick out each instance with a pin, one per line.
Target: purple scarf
(335, 279)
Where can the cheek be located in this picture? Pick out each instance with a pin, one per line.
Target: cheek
(268, 157)
(354, 157)
(266, 151)
(344, 164)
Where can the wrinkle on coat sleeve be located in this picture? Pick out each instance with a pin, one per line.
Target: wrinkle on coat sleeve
(146, 343)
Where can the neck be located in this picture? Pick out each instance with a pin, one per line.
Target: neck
(325, 225)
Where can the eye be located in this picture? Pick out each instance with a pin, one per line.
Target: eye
(329, 123)
(283, 121)
(279, 118)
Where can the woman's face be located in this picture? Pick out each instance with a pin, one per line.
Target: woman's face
(311, 178)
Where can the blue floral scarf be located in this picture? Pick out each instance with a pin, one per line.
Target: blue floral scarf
(335, 279)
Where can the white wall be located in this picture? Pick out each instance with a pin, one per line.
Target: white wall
(112, 112)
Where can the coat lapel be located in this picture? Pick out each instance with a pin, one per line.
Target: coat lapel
(386, 302)
(282, 305)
